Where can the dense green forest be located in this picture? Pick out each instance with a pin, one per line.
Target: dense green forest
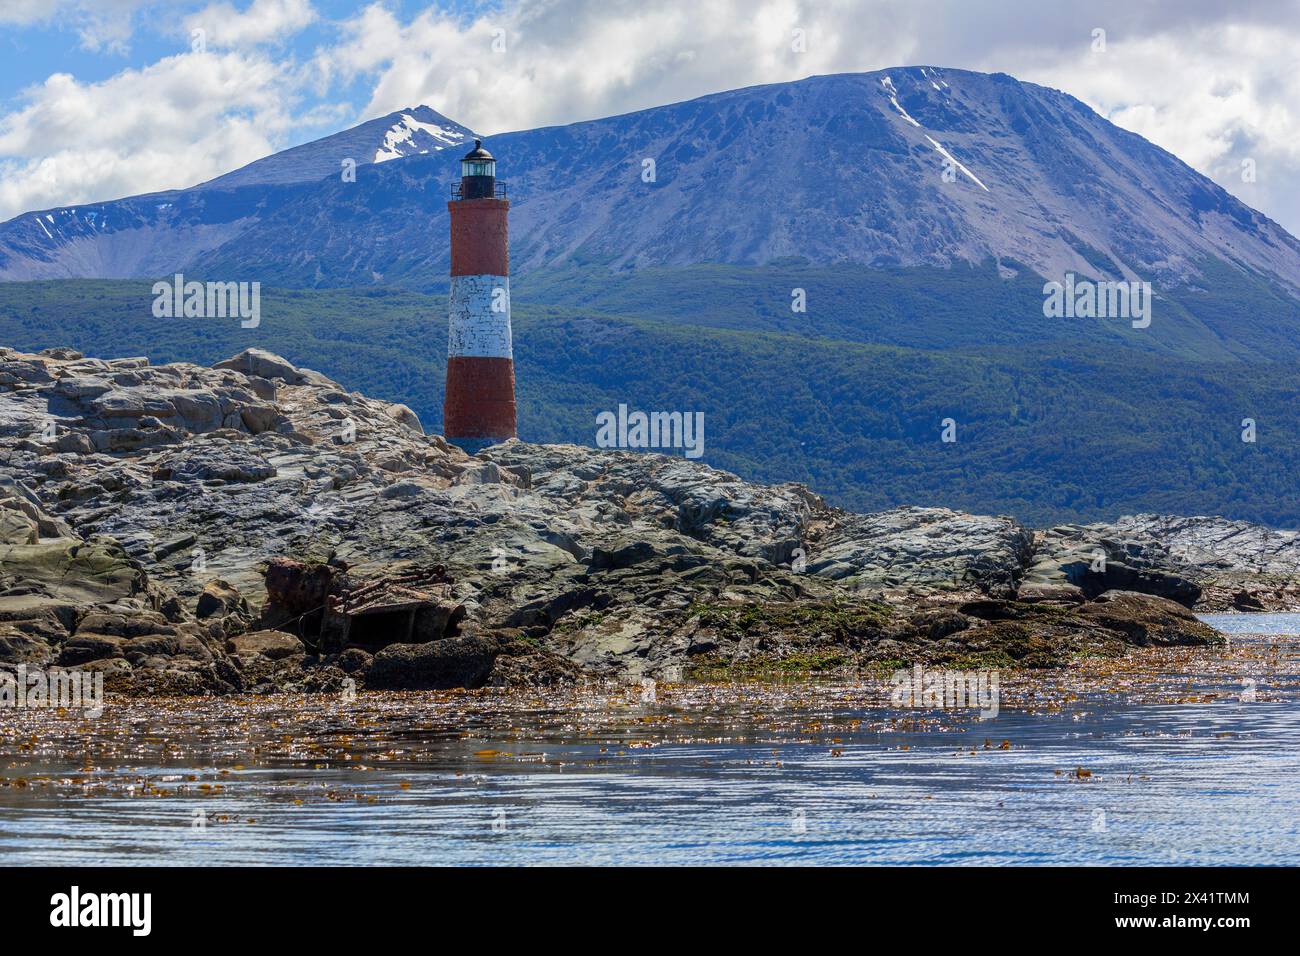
(1227, 314)
(1083, 425)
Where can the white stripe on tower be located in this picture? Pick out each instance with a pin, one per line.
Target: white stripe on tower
(479, 317)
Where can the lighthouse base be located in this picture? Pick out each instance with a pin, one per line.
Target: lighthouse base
(480, 402)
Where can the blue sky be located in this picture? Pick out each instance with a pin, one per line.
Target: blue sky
(88, 43)
(105, 98)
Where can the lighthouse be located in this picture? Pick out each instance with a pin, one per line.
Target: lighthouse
(479, 409)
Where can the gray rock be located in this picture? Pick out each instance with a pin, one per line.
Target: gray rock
(1073, 563)
(220, 598)
(82, 386)
(198, 409)
(131, 403)
(259, 418)
(214, 461)
(262, 364)
(407, 417)
(918, 550)
(561, 558)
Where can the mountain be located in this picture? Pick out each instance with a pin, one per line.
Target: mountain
(159, 233)
(832, 169)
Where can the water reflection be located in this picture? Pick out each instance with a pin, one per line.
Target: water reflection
(1169, 757)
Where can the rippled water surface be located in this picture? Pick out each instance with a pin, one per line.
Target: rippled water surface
(1168, 756)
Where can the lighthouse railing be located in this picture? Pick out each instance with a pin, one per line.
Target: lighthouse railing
(499, 191)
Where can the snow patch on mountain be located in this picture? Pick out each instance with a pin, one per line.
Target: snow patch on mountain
(888, 84)
(892, 91)
(953, 159)
(409, 136)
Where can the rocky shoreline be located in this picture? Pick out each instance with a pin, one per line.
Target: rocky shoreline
(255, 527)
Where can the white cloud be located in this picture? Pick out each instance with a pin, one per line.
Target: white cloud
(263, 21)
(1213, 96)
(27, 11)
(182, 120)
(582, 59)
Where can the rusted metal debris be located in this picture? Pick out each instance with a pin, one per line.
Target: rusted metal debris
(412, 607)
(331, 608)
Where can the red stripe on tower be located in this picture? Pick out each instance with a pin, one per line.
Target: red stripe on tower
(479, 409)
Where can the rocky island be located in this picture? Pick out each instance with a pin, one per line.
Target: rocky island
(255, 527)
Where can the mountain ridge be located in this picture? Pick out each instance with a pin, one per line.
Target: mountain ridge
(161, 232)
(406, 132)
(906, 166)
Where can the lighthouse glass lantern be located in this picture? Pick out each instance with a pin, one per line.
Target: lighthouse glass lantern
(478, 173)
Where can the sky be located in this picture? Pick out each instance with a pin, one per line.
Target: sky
(107, 98)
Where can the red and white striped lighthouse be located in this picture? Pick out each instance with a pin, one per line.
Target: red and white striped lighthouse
(479, 409)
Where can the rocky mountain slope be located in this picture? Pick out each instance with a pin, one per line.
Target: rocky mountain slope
(254, 525)
(911, 166)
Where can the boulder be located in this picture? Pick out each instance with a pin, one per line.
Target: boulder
(116, 440)
(258, 417)
(1072, 563)
(1147, 620)
(124, 621)
(164, 650)
(404, 415)
(485, 474)
(354, 659)
(626, 553)
(464, 661)
(214, 461)
(262, 364)
(82, 386)
(17, 647)
(924, 550)
(275, 645)
(76, 443)
(17, 372)
(199, 409)
(131, 403)
(219, 599)
(1224, 557)
(16, 527)
(66, 572)
(82, 649)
